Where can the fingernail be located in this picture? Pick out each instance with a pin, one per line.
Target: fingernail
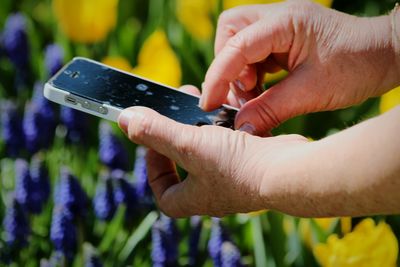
(240, 85)
(248, 128)
(201, 102)
(124, 118)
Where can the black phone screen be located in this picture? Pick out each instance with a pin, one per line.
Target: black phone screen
(101, 84)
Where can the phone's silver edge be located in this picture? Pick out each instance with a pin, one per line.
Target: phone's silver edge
(140, 77)
(58, 96)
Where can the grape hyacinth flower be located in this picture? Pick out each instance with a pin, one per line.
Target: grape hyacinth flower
(196, 225)
(143, 190)
(124, 192)
(38, 126)
(46, 113)
(16, 225)
(217, 238)
(15, 41)
(23, 185)
(230, 255)
(41, 181)
(53, 58)
(31, 192)
(33, 128)
(112, 152)
(11, 126)
(165, 241)
(70, 195)
(63, 232)
(76, 123)
(103, 201)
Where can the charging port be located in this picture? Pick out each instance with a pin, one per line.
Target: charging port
(70, 100)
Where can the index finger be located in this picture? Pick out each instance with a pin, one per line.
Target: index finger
(251, 45)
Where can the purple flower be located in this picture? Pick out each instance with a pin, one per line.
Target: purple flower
(31, 192)
(38, 126)
(63, 232)
(15, 41)
(41, 181)
(111, 150)
(33, 128)
(76, 122)
(230, 255)
(103, 202)
(194, 237)
(54, 58)
(23, 187)
(217, 237)
(70, 195)
(124, 193)
(16, 225)
(11, 126)
(142, 186)
(164, 242)
(46, 113)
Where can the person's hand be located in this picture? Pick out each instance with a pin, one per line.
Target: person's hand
(228, 171)
(334, 60)
(232, 171)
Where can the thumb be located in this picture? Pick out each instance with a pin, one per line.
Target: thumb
(147, 127)
(293, 96)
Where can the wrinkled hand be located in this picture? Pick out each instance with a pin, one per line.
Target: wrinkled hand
(334, 60)
(228, 171)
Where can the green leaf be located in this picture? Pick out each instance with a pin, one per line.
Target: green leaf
(112, 229)
(141, 231)
(278, 237)
(259, 245)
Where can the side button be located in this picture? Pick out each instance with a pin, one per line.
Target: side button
(103, 110)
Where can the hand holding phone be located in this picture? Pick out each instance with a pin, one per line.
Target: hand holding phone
(103, 91)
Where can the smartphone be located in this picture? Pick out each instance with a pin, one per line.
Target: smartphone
(103, 91)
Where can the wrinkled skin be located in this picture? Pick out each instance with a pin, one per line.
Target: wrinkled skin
(334, 60)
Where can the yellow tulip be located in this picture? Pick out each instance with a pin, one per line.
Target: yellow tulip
(390, 100)
(368, 245)
(157, 61)
(345, 224)
(86, 21)
(195, 16)
(118, 63)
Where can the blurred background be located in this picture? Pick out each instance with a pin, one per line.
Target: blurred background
(73, 189)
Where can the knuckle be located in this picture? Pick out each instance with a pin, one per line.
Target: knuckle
(238, 44)
(301, 8)
(267, 115)
(225, 16)
(139, 129)
(187, 142)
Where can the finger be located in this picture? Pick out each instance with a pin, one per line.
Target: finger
(247, 78)
(174, 198)
(182, 200)
(161, 172)
(190, 89)
(251, 45)
(232, 21)
(237, 98)
(168, 137)
(295, 95)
